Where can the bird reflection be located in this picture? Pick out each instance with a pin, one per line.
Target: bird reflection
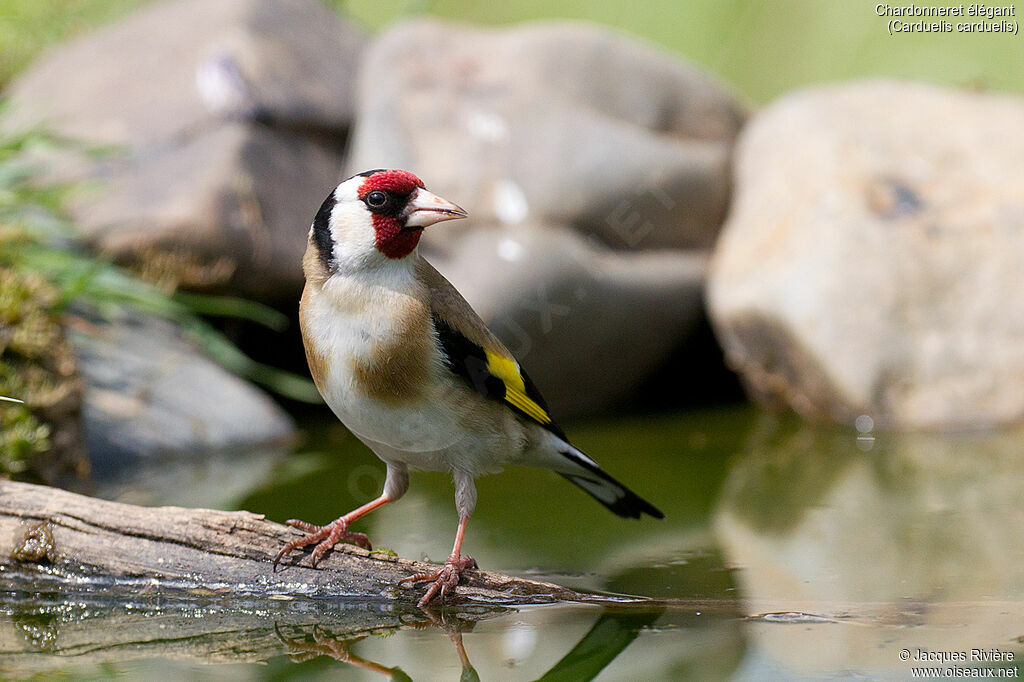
(321, 642)
(614, 630)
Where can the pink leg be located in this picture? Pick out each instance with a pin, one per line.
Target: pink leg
(326, 537)
(449, 574)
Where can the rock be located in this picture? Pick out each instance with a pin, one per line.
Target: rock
(150, 394)
(227, 211)
(563, 123)
(172, 67)
(595, 171)
(589, 325)
(230, 117)
(873, 253)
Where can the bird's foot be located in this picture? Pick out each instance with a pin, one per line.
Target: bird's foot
(443, 580)
(324, 537)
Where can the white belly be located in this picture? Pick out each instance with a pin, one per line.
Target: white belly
(420, 426)
(431, 434)
(444, 428)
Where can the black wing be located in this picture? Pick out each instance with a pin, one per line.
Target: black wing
(495, 375)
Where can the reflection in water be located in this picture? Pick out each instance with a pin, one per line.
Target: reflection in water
(42, 634)
(611, 634)
(615, 629)
(205, 478)
(320, 642)
(918, 537)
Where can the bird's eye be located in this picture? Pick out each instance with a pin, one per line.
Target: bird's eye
(376, 199)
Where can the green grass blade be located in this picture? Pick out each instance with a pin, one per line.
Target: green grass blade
(231, 306)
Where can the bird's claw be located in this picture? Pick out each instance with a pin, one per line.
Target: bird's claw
(324, 537)
(444, 579)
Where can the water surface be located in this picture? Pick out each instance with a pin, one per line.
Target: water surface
(788, 552)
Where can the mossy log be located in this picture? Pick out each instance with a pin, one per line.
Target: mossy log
(56, 538)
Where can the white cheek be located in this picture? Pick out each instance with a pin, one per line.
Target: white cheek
(354, 237)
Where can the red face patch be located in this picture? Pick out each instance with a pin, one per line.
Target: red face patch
(397, 181)
(392, 239)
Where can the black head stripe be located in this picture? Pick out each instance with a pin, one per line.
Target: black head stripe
(366, 174)
(322, 231)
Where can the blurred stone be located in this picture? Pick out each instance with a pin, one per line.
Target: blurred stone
(226, 211)
(587, 323)
(873, 256)
(229, 119)
(556, 122)
(178, 65)
(587, 161)
(149, 394)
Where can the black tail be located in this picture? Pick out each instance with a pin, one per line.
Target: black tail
(606, 490)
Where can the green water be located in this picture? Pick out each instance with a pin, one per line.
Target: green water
(788, 552)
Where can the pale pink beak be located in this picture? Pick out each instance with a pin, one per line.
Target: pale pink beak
(426, 208)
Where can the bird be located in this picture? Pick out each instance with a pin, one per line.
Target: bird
(409, 367)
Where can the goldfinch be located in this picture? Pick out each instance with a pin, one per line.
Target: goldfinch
(409, 367)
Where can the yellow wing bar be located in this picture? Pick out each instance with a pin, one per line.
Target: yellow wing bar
(507, 370)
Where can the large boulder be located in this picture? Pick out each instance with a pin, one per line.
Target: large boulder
(562, 123)
(227, 211)
(227, 121)
(589, 324)
(150, 394)
(595, 172)
(873, 260)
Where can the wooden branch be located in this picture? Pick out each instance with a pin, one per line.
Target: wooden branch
(51, 537)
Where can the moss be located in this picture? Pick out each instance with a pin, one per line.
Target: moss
(22, 438)
(37, 545)
(39, 440)
(170, 270)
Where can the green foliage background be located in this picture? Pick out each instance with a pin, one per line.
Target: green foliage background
(761, 47)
